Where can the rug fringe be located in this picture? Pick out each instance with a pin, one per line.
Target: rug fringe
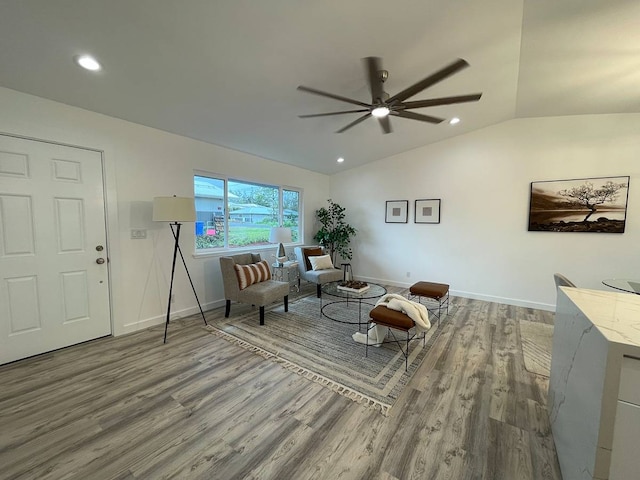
(332, 385)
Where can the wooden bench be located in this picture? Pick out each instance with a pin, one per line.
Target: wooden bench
(393, 319)
(435, 291)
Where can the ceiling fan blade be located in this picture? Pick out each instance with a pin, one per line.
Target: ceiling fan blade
(385, 123)
(331, 95)
(430, 80)
(332, 113)
(374, 65)
(418, 116)
(355, 122)
(441, 101)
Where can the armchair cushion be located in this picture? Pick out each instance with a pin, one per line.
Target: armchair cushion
(252, 273)
(320, 262)
(264, 293)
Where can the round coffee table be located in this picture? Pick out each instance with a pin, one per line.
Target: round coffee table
(345, 297)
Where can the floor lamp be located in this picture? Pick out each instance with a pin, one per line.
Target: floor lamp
(175, 210)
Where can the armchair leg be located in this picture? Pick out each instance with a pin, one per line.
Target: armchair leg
(227, 309)
(319, 290)
(262, 315)
(286, 303)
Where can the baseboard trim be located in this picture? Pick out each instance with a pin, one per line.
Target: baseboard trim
(175, 315)
(508, 301)
(472, 295)
(160, 319)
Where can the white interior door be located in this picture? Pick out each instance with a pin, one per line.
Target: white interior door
(53, 291)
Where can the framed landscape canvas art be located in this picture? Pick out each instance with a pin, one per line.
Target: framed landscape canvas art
(579, 205)
(397, 211)
(427, 211)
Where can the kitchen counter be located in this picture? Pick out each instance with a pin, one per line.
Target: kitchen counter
(594, 388)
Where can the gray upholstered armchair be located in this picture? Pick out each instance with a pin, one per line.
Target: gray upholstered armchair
(257, 292)
(315, 276)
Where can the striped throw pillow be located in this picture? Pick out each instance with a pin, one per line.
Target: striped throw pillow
(253, 273)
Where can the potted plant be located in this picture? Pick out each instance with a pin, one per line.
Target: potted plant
(335, 234)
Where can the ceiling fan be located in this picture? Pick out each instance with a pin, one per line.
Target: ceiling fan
(382, 105)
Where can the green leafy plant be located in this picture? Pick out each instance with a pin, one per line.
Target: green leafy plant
(335, 234)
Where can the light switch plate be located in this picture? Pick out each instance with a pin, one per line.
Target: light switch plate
(138, 234)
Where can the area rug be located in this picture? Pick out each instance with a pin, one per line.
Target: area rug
(323, 350)
(537, 339)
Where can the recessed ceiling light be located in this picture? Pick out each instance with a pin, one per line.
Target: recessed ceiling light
(380, 112)
(340, 160)
(88, 62)
(454, 120)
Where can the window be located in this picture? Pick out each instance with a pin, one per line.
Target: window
(236, 214)
(210, 202)
(291, 212)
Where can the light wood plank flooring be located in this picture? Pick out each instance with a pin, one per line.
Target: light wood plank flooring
(201, 408)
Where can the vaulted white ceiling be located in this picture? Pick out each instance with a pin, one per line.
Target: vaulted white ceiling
(226, 72)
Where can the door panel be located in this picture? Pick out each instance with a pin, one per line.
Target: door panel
(69, 224)
(24, 315)
(52, 218)
(13, 164)
(15, 210)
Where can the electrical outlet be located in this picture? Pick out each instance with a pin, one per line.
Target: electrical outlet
(137, 234)
(408, 274)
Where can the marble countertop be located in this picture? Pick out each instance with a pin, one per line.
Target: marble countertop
(615, 315)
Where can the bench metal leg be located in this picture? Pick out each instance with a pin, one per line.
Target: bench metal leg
(404, 351)
(406, 357)
(441, 304)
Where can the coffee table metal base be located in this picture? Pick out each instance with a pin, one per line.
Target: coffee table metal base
(360, 320)
(345, 297)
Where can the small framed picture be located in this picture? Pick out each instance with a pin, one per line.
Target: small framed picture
(428, 211)
(397, 211)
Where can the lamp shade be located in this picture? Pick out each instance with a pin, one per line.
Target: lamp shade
(280, 235)
(173, 209)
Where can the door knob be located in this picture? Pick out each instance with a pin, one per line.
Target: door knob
(100, 261)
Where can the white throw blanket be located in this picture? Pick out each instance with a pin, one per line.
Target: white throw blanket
(414, 310)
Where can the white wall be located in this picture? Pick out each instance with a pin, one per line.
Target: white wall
(482, 247)
(142, 163)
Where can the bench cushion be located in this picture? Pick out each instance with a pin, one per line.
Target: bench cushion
(429, 289)
(382, 315)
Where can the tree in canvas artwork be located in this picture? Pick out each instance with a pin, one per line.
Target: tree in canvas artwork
(582, 205)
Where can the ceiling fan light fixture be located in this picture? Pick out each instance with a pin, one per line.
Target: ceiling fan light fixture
(454, 120)
(380, 112)
(88, 63)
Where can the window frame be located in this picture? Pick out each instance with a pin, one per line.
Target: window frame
(225, 249)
